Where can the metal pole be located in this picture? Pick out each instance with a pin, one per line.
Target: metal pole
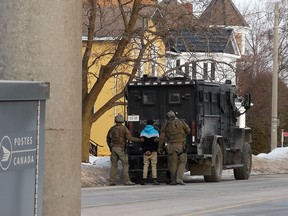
(282, 137)
(274, 118)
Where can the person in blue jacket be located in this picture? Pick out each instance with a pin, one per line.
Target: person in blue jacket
(149, 147)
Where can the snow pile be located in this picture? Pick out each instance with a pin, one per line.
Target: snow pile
(271, 163)
(96, 172)
(100, 161)
(276, 154)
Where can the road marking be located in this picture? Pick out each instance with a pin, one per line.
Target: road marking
(121, 203)
(235, 206)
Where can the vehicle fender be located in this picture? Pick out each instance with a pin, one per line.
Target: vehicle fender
(248, 135)
(242, 135)
(217, 139)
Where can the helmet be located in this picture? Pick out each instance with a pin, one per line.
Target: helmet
(119, 118)
(170, 115)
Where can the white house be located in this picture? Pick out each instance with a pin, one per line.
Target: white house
(210, 54)
(211, 48)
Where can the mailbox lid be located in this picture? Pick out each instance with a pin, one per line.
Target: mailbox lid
(24, 90)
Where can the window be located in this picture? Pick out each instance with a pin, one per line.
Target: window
(213, 67)
(149, 97)
(187, 69)
(205, 68)
(174, 98)
(194, 70)
(178, 63)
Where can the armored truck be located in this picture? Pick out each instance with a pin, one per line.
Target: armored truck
(219, 138)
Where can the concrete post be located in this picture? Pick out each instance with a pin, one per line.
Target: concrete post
(274, 109)
(41, 40)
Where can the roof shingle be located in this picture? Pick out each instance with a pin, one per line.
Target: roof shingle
(222, 12)
(212, 40)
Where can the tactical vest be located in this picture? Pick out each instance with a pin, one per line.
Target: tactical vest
(175, 131)
(117, 135)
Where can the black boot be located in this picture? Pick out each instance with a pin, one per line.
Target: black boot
(144, 181)
(155, 182)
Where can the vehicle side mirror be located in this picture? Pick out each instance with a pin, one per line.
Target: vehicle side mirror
(247, 101)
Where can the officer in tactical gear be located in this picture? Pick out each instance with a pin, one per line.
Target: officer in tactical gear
(116, 139)
(174, 132)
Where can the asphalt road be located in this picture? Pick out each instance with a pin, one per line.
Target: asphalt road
(261, 195)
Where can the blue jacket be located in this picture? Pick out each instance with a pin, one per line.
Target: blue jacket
(149, 133)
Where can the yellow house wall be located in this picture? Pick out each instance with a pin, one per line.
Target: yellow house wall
(100, 128)
(103, 124)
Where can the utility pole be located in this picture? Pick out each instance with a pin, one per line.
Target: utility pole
(274, 117)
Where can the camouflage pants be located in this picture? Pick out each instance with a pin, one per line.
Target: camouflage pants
(176, 160)
(117, 153)
(146, 161)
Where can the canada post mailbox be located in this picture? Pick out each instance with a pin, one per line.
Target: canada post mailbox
(22, 129)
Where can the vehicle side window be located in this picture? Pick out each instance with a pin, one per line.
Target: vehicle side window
(174, 97)
(149, 97)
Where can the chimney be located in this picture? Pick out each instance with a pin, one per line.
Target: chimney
(189, 7)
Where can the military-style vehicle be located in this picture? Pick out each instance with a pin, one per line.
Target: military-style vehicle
(218, 140)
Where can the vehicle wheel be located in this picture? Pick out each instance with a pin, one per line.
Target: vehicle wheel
(163, 176)
(216, 170)
(136, 177)
(242, 173)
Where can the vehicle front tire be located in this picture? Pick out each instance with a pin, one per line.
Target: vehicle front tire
(243, 173)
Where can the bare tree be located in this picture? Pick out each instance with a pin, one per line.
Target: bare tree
(255, 74)
(132, 37)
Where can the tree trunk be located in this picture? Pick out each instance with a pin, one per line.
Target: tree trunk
(86, 130)
(105, 72)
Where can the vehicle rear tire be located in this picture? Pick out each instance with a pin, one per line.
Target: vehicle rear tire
(163, 176)
(136, 177)
(243, 173)
(216, 170)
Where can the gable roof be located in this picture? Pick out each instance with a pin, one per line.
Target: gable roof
(222, 12)
(207, 40)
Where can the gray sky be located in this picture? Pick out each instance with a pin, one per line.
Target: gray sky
(243, 4)
(259, 3)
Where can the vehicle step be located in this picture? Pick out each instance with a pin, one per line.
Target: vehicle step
(232, 149)
(207, 155)
(233, 166)
(195, 156)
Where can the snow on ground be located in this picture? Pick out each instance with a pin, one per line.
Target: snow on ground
(276, 154)
(271, 163)
(96, 172)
